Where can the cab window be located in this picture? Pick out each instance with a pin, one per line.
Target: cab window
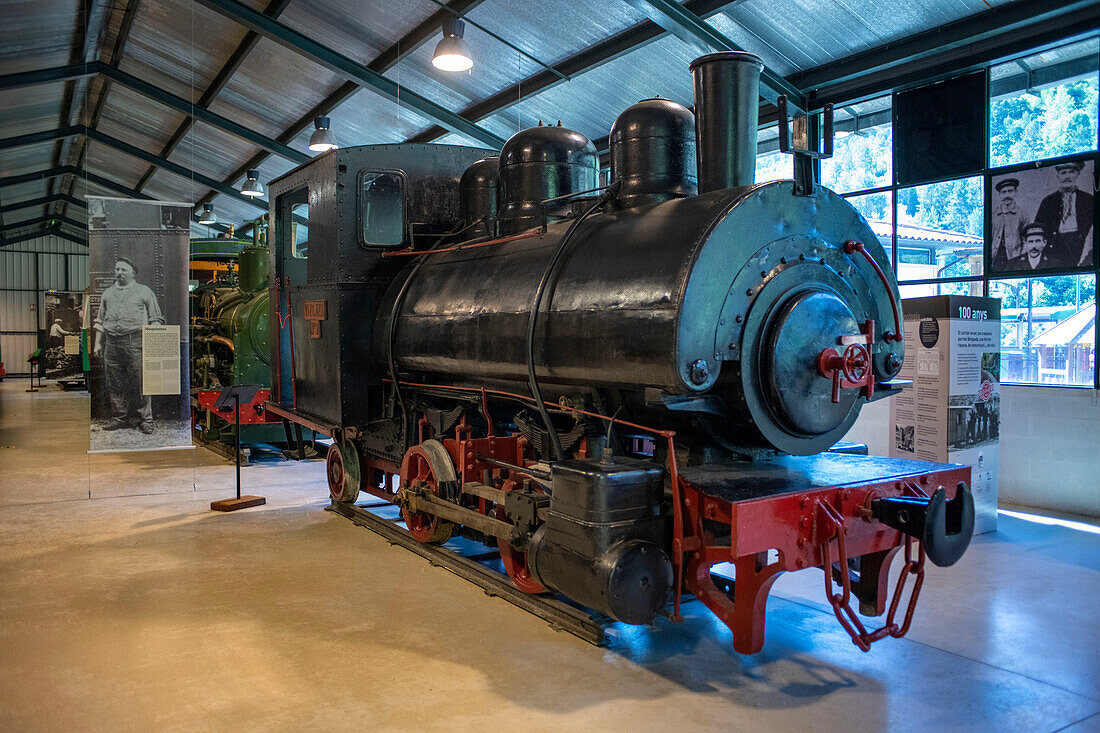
(299, 231)
(382, 208)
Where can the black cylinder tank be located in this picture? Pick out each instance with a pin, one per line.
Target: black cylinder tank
(540, 163)
(653, 152)
(727, 112)
(478, 195)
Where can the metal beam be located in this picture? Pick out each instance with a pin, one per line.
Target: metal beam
(80, 173)
(45, 218)
(179, 170)
(274, 9)
(57, 170)
(121, 37)
(125, 147)
(951, 36)
(62, 234)
(350, 69)
(696, 32)
(386, 60)
(46, 76)
(961, 57)
(596, 55)
(42, 201)
(31, 138)
(1045, 76)
(201, 113)
(26, 236)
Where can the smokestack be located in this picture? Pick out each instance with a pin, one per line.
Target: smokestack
(727, 112)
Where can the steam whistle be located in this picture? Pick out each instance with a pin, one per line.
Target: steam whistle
(943, 527)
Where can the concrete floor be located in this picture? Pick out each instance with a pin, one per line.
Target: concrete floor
(126, 604)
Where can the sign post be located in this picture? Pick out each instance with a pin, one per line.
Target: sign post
(230, 400)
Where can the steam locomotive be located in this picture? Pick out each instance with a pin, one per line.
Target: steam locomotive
(230, 342)
(618, 386)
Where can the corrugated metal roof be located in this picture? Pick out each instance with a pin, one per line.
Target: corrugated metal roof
(359, 29)
(259, 95)
(37, 34)
(131, 117)
(367, 118)
(211, 152)
(178, 45)
(498, 66)
(590, 103)
(31, 109)
(181, 45)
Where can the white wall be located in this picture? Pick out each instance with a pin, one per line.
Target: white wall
(1049, 450)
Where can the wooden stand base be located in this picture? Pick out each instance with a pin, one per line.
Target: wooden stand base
(232, 505)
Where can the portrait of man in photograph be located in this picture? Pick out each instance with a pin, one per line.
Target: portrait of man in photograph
(1037, 254)
(1008, 223)
(1066, 215)
(125, 307)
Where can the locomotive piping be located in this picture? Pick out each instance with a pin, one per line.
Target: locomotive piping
(392, 326)
(532, 379)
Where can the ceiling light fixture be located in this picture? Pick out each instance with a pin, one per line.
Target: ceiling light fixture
(252, 186)
(208, 216)
(452, 53)
(322, 138)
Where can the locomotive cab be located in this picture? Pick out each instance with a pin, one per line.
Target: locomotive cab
(334, 218)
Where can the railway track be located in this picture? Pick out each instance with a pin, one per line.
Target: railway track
(560, 615)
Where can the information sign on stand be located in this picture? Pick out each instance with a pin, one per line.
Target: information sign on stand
(952, 412)
(229, 400)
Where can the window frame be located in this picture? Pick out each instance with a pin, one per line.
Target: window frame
(360, 179)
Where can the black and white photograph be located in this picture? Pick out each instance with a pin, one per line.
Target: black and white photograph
(904, 436)
(64, 316)
(975, 419)
(138, 272)
(1043, 218)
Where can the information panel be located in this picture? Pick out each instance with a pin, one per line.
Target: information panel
(952, 412)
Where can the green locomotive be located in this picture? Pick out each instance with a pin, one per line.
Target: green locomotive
(230, 326)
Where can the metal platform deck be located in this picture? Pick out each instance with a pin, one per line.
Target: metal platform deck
(560, 615)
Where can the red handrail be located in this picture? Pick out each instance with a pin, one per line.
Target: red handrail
(460, 247)
(852, 246)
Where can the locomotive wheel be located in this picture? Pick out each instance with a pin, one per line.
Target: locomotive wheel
(515, 561)
(342, 469)
(427, 463)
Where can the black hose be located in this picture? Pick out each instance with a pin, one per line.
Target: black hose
(533, 381)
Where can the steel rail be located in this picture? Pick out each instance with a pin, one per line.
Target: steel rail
(561, 616)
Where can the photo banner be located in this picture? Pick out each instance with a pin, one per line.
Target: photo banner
(64, 323)
(138, 332)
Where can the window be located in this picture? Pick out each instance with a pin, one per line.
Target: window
(299, 231)
(382, 208)
(1045, 105)
(1048, 329)
(862, 157)
(1043, 112)
(940, 230)
(878, 210)
(969, 287)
